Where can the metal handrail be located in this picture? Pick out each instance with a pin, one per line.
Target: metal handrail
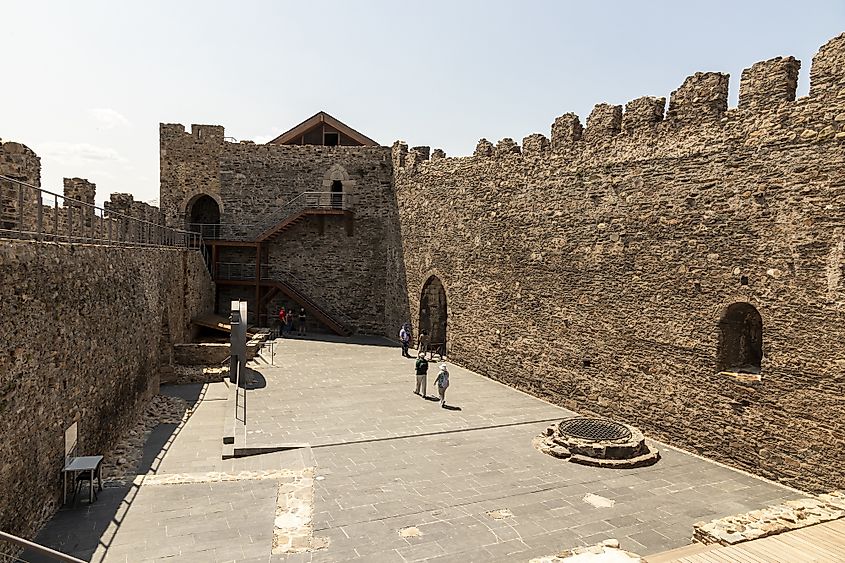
(244, 271)
(306, 200)
(40, 549)
(24, 215)
(297, 286)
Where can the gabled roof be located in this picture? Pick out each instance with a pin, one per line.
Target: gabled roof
(317, 119)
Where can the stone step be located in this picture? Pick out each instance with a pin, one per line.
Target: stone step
(649, 458)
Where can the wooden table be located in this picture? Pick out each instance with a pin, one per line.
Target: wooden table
(90, 463)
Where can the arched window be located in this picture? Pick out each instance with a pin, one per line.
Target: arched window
(433, 314)
(740, 339)
(204, 216)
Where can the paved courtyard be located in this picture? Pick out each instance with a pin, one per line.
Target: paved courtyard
(392, 477)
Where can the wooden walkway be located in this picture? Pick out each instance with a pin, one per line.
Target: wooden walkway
(822, 543)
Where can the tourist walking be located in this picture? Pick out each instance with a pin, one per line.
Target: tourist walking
(301, 321)
(442, 384)
(405, 340)
(282, 321)
(422, 370)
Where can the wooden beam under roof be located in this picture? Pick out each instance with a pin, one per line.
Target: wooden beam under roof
(318, 118)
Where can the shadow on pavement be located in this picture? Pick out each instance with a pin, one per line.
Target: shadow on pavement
(364, 340)
(451, 408)
(82, 531)
(254, 379)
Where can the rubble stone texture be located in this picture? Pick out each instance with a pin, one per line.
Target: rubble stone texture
(120, 463)
(86, 331)
(606, 552)
(790, 515)
(339, 262)
(596, 276)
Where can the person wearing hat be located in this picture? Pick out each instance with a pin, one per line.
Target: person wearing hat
(442, 384)
(421, 371)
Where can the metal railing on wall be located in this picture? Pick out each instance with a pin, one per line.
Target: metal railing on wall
(245, 271)
(44, 553)
(244, 231)
(31, 213)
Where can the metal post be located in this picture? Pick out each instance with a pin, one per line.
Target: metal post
(20, 208)
(39, 217)
(56, 219)
(69, 221)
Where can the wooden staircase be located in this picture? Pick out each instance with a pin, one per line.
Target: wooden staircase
(321, 313)
(288, 222)
(292, 213)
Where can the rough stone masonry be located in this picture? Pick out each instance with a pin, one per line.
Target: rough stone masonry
(598, 268)
(86, 330)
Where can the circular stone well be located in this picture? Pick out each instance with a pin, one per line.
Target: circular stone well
(596, 441)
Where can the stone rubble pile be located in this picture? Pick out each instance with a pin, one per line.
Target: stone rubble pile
(606, 552)
(198, 374)
(121, 463)
(791, 515)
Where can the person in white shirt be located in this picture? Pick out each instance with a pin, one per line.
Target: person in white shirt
(442, 384)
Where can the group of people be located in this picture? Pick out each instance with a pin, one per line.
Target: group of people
(286, 321)
(421, 365)
(442, 380)
(423, 342)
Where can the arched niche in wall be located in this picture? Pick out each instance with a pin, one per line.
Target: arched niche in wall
(336, 182)
(740, 339)
(202, 215)
(433, 313)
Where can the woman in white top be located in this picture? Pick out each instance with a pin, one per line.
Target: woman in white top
(442, 384)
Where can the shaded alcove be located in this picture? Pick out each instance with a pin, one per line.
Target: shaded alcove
(433, 313)
(203, 215)
(337, 194)
(740, 339)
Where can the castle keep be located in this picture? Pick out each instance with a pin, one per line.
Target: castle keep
(288, 224)
(675, 267)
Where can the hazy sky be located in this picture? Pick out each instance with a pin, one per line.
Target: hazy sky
(85, 84)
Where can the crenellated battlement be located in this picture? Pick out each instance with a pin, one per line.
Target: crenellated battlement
(697, 119)
(211, 134)
(768, 83)
(702, 97)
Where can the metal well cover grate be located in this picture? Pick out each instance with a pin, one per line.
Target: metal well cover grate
(594, 429)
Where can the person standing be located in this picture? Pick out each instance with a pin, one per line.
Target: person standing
(423, 342)
(282, 320)
(422, 371)
(442, 384)
(289, 322)
(301, 321)
(405, 340)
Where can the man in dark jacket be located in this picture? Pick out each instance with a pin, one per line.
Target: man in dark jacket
(422, 370)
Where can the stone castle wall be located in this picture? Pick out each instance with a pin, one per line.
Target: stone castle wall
(86, 332)
(81, 341)
(592, 268)
(18, 162)
(336, 260)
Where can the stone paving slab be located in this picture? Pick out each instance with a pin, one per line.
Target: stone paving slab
(385, 461)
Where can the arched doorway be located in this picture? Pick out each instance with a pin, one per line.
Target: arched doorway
(740, 339)
(204, 216)
(433, 313)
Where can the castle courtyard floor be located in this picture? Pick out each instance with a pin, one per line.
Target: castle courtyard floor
(392, 477)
